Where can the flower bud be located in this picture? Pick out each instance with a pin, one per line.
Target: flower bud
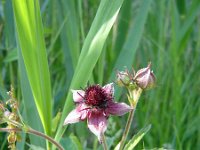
(12, 137)
(1, 110)
(2, 117)
(7, 113)
(123, 78)
(145, 78)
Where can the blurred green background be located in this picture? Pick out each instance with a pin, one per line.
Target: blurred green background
(165, 32)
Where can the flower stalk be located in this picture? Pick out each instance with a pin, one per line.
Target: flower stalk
(135, 83)
(133, 99)
(34, 132)
(127, 128)
(105, 147)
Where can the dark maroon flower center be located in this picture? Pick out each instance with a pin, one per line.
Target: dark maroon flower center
(96, 96)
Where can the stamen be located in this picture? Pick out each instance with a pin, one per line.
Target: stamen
(86, 109)
(95, 96)
(80, 95)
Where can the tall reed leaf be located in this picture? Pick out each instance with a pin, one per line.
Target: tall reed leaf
(92, 48)
(136, 138)
(71, 31)
(32, 117)
(31, 41)
(127, 53)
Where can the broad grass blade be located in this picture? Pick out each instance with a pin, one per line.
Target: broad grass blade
(136, 138)
(31, 113)
(91, 50)
(127, 54)
(30, 35)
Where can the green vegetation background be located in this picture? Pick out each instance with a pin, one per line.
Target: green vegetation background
(165, 32)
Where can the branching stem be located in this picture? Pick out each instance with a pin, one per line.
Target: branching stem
(34, 132)
(128, 125)
(105, 147)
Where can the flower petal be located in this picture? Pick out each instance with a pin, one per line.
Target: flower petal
(143, 81)
(145, 78)
(109, 89)
(97, 123)
(76, 115)
(78, 95)
(152, 80)
(118, 109)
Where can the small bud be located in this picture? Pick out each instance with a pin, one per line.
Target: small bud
(12, 137)
(123, 78)
(145, 78)
(1, 109)
(2, 112)
(7, 113)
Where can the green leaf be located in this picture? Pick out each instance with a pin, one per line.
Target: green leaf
(76, 142)
(136, 138)
(193, 13)
(123, 26)
(127, 54)
(34, 147)
(71, 143)
(91, 51)
(3, 93)
(21, 143)
(67, 9)
(31, 42)
(69, 38)
(9, 25)
(12, 56)
(31, 114)
(55, 122)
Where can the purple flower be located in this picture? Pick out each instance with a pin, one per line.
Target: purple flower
(95, 104)
(145, 78)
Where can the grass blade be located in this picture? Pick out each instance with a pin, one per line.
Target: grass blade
(32, 116)
(136, 138)
(91, 50)
(133, 39)
(30, 34)
(128, 51)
